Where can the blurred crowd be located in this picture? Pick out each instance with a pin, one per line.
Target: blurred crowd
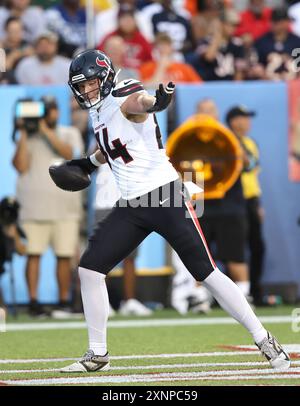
(182, 40)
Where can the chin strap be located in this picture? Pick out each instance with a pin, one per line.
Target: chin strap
(116, 77)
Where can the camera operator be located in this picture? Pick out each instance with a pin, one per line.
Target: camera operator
(11, 235)
(50, 216)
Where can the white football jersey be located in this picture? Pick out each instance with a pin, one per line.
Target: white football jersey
(134, 151)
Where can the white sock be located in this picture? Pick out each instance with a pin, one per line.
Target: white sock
(96, 308)
(244, 287)
(231, 299)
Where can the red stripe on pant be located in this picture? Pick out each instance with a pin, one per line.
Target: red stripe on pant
(198, 227)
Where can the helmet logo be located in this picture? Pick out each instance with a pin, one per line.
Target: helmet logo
(102, 63)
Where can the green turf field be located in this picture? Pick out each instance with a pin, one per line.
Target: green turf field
(166, 349)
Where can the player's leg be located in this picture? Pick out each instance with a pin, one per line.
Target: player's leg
(232, 300)
(187, 239)
(113, 239)
(100, 215)
(130, 305)
(129, 278)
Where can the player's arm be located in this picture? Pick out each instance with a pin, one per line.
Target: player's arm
(137, 103)
(90, 163)
(100, 157)
(143, 103)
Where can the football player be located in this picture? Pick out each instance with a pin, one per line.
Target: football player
(153, 198)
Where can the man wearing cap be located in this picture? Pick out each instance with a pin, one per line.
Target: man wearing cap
(239, 121)
(45, 67)
(49, 216)
(275, 49)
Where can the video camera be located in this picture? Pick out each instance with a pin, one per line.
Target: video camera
(29, 112)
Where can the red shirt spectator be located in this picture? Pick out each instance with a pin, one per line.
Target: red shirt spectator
(138, 49)
(256, 20)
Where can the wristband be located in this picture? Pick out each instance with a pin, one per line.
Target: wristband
(94, 160)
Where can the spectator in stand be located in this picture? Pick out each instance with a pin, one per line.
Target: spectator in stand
(15, 47)
(255, 21)
(68, 21)
(165, 67)
(275, 49)
(45, 67)
(176, 26)
(115, 47)
(107, 21)
(138, 49)
(32, 18)
(203, 22)
(221, 56)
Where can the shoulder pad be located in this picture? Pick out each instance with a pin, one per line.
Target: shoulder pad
(127, 87)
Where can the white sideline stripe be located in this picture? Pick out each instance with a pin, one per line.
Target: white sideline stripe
(171, 376)
(146, 356)
(160, 366)
(147, 380)
(287, 347)
(142, 323)
(246, 378)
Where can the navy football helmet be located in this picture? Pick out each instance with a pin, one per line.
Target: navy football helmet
(91, 64)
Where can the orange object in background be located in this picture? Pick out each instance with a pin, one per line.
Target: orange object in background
(176, 72)
(191, 6)
(202, 144)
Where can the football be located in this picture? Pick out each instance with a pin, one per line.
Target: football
(69, 178)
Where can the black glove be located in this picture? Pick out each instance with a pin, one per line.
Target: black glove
(84, 163)
(163, 97)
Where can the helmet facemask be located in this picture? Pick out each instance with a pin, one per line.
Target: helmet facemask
(84, 99)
